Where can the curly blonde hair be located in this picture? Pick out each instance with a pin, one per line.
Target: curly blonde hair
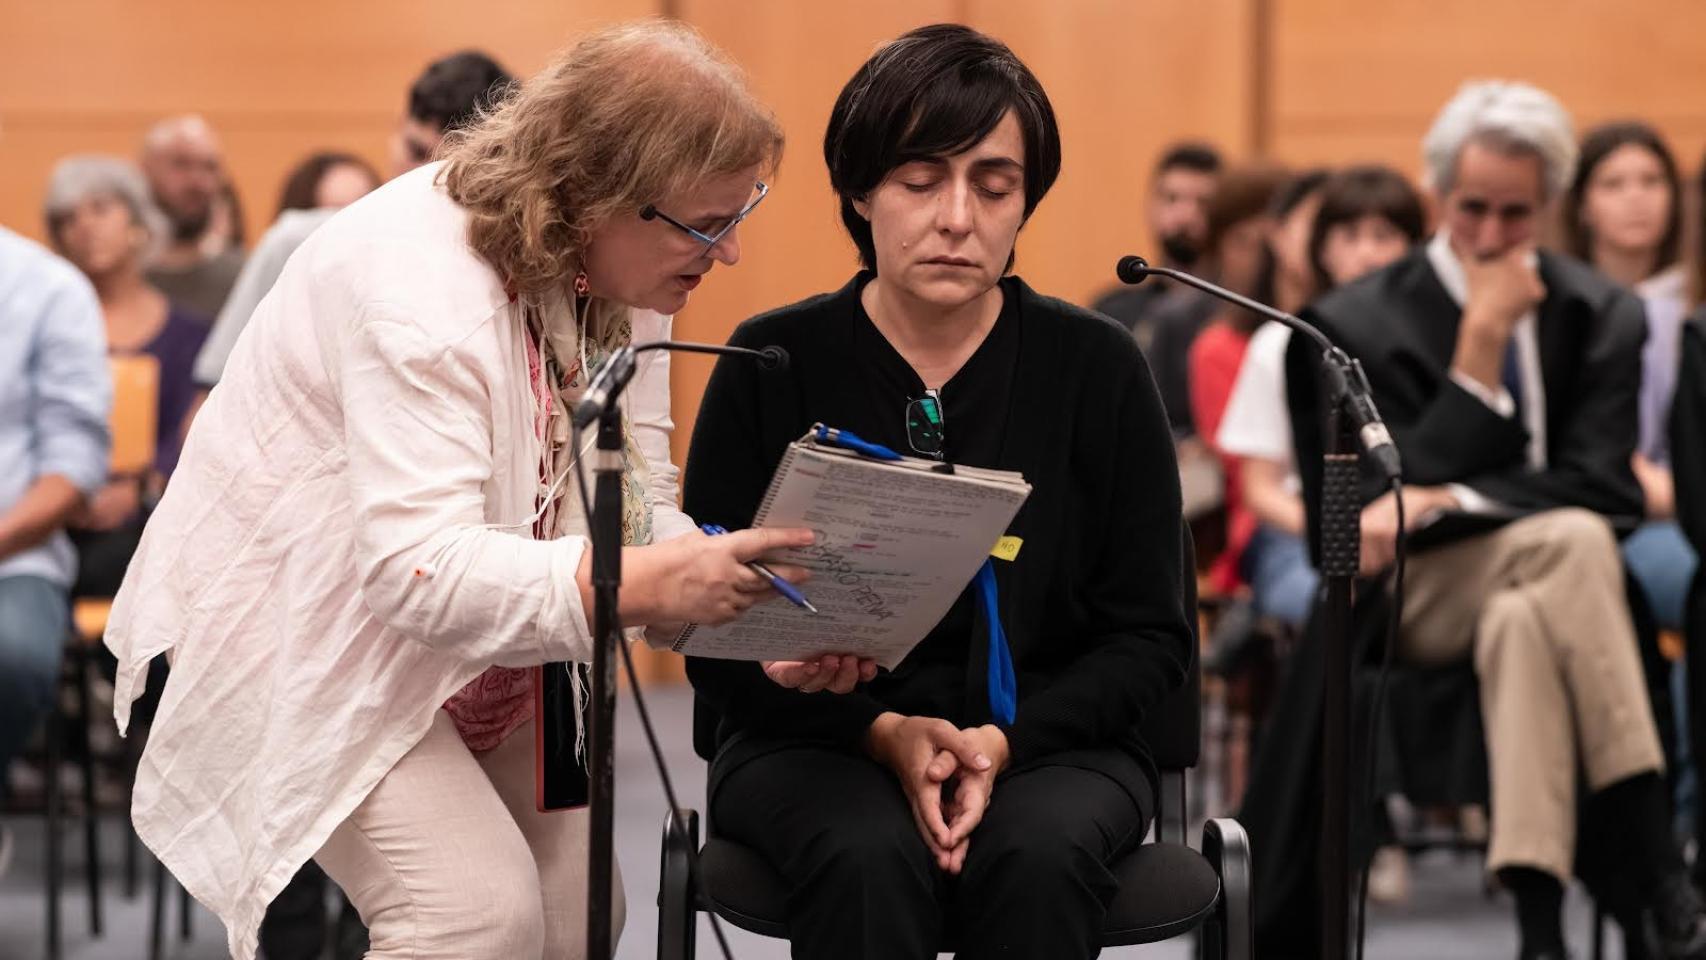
(627, 116)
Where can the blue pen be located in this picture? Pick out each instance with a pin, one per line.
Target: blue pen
(783, 587)
(847, 440)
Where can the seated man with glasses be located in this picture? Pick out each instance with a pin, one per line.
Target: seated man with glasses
(928, 799)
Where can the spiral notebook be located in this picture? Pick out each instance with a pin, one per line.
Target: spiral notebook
(897, 541)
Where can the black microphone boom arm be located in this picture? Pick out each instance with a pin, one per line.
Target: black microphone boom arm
(1346, 383)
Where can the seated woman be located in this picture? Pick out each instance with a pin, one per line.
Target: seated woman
(1624, 215)
(100, 217)
(1249, 208)
(912, 805)
(1367, 218)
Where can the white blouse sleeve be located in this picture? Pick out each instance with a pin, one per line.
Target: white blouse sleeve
(418, 435)
(648, 411)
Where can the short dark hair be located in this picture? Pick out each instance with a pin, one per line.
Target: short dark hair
(454, 90)
(302, 186)
(1372, 190)
(1600, 143)
(1190, 155)
(933, 92)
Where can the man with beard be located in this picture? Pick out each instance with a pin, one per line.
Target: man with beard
(1180, 192)
(185, 168)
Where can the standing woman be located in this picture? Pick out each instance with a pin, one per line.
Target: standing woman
(373, 531)
(923, 800)
(1624, 215)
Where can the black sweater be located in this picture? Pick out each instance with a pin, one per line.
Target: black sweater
(1091, 606)
(1688, 457)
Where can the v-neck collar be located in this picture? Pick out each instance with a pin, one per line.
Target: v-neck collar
(883, 344)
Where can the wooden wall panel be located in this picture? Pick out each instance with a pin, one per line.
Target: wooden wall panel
(1126, 79)
(1358, 80)
(278, 81)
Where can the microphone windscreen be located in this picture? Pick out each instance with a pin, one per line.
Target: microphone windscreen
(1132, 269)
(773, 358)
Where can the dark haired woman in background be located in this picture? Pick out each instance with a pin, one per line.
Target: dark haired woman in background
(1258, 230)
(940, 147)
(1624, 215)
(327, 179)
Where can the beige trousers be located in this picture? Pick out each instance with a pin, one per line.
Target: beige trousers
(449, 858)
(1540, 604)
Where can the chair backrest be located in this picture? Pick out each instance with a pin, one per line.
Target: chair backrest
(1173, 729)
(136, 412)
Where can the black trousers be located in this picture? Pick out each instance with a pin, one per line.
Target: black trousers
(1035, 881)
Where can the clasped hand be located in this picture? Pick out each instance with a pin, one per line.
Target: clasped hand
(948, 775)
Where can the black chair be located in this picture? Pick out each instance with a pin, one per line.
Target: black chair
(1166, 888)
(63, 724)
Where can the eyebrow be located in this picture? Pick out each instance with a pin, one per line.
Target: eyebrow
(1502, 208)
(1003, 164)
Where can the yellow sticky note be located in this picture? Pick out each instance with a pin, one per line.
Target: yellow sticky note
(1007, 548)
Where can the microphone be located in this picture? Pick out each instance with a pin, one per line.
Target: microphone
(614, 375)
(1346, 382)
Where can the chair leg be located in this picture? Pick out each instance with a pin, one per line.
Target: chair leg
(157, 922)
(185, 902)
(132, 758)
(678, 894)
(1227, 848)
(132, 862)
(91, 813)
(54, 801)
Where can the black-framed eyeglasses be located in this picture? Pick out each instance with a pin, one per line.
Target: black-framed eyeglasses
(715, 235)
(926, 428)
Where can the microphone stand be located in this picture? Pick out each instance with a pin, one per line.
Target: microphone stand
(1349, 412)
(605, 529)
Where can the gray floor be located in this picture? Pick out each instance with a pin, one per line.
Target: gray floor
(1448, 915)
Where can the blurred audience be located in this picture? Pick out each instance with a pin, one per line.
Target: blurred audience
(55, 395)
(100, 218)
(1509, 377)
(1241, 233)
(1624, 215)
(450, 93)
(327, 180)
(1180, 191)
(225, 228)
(1287, 280)
(1367, 217)
(185, 168)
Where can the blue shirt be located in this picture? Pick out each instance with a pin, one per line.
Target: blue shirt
(55, 390)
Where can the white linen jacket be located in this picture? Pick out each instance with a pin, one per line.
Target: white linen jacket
(323, 571)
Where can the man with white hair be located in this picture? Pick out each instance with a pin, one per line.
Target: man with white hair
(185, 167)
(1509, 375)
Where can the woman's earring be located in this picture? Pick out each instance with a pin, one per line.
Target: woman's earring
(582, 287)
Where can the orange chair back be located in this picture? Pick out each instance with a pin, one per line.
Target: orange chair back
(136, 412)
